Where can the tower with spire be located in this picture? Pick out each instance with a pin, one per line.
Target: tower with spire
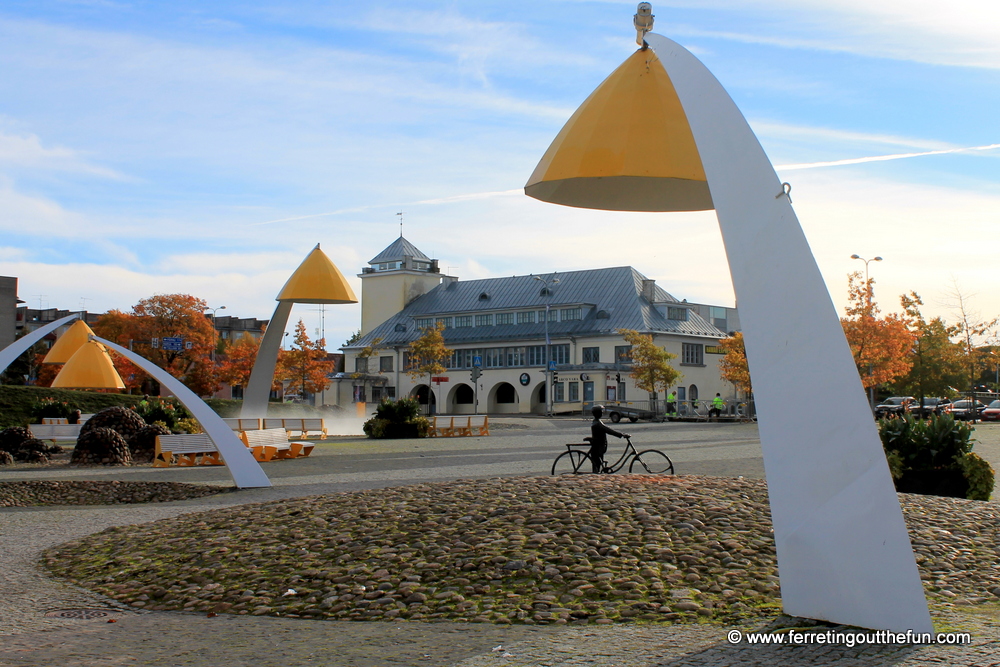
(393, 278)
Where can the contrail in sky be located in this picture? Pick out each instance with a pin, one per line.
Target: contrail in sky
(880, 158)
(505, 193)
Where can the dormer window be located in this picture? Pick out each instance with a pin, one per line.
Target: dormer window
(387, 266)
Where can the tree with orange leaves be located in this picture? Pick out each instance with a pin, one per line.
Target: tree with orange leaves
(881, 346)
(166, 316)
(307, 366)
(733, 367)
(238, 358)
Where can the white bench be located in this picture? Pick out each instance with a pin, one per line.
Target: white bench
(55, 432)
(272, 443)
(242, 424)
(302, 426)
(186, 449)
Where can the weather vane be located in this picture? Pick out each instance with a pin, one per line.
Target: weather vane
(400, 214)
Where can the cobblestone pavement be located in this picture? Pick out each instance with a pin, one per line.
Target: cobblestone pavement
(30, 638)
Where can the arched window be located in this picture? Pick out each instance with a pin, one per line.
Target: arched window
(693, 392)
(506, 393)
(464, 395)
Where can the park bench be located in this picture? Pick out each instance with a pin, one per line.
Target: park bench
(446, 427)
(243, 424)
(442, 427)
(272, 443)
(55, 432)
(476, 425)
(186, 449)
(55, 420)
(301, 426)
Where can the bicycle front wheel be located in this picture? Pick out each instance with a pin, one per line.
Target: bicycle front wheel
(652, 461)
(571, 462)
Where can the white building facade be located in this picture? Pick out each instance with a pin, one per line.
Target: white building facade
(509, 329)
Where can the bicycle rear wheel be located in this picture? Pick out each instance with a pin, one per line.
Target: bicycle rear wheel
(571, 462)
(652, 461)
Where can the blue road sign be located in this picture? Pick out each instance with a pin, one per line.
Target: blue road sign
(552, 364)
(477, 361)
(172, 344)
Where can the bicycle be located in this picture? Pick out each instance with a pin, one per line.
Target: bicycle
(575, 461)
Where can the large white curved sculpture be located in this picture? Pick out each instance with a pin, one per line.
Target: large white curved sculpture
(843, 551)
(243, 467)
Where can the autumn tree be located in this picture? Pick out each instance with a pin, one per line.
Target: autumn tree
(307, 365)
(880, 345)
(238, 358)
(168, 316)
(972, 331)
(651, 369)
(427, 355)
(937, 360)
(733, 367)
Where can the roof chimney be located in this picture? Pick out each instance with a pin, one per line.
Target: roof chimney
(648, 289)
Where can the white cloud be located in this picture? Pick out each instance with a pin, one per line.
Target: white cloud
(27, 152)
(960, 32)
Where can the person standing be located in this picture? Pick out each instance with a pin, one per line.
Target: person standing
(599, 433)
(672, 404)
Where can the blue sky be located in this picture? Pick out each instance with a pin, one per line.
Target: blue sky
(205, 148)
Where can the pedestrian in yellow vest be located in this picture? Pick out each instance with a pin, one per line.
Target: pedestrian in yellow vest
(717, 406)
(672, 404)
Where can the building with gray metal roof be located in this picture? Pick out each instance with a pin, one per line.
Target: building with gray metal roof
(499, 325)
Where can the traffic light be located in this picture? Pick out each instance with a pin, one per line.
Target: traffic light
(618, 377)
(555, 376)
(476, 372)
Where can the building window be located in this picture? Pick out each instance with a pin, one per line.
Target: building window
(558, 392)
(425, 322)
(536, 355)
(422, 266)
(574, 392)
(693, 354)
(526, 317)
(463, 321)
(390, 392)
(515, 356)
(718, 317)
(560, 353)
(359, 394)
(567, 314)
(361, 365)
(484, 320)
(460, 359)
(464, 395)
(385, 364)
(505, 318)
(236, 391)
(679, 314)
(553, 316)
(591, 355)
(387, 266)
(444, 320)
(506, 393)
(493, 358)
(623, 354)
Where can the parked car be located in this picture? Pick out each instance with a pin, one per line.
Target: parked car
(991, 413)
(964, 409)
(892, 406)
(931, 406)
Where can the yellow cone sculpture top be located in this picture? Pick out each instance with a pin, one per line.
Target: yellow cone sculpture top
(628, 147)
(317, 280)
(67, 344)
(90, 367)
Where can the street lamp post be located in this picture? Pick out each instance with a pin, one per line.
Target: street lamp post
(868, 293)
(215, 330)
(548, 344)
